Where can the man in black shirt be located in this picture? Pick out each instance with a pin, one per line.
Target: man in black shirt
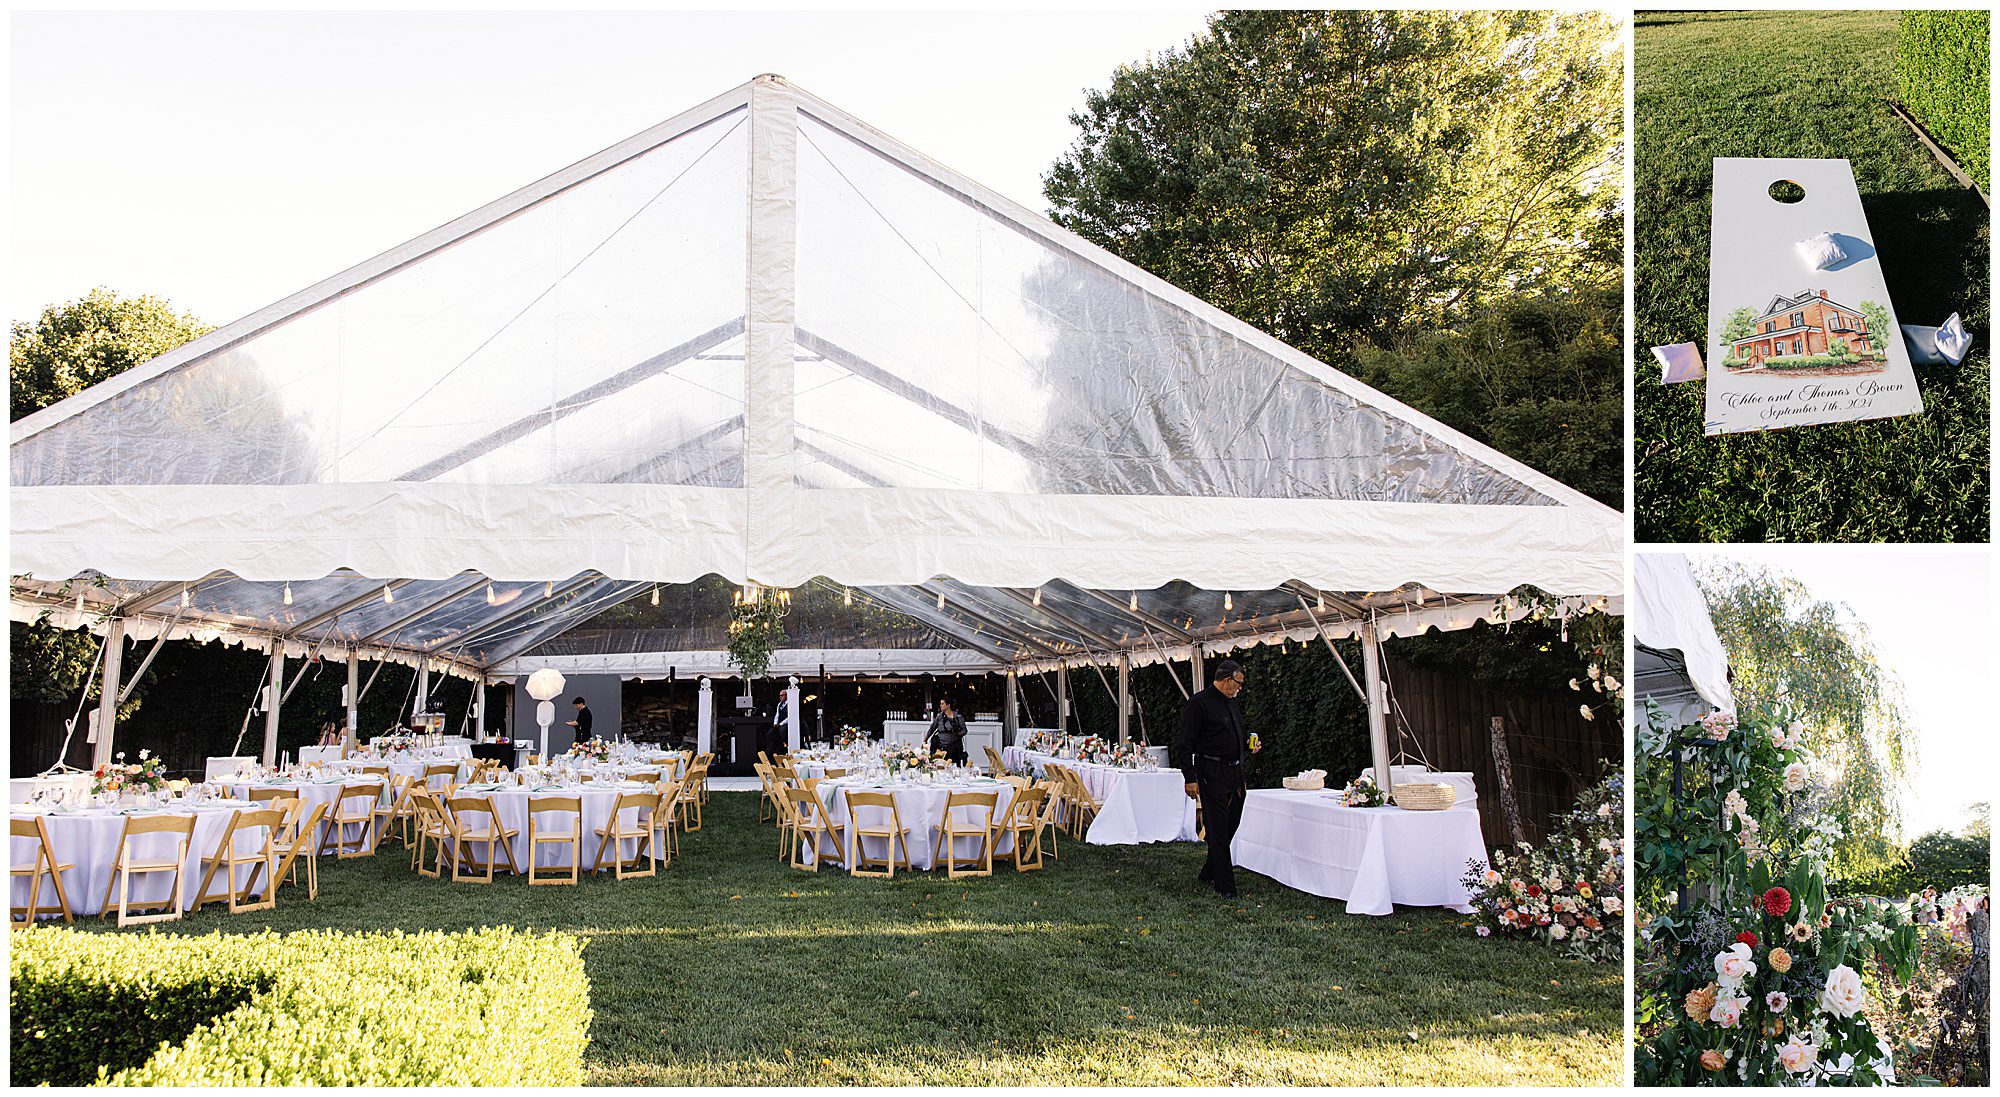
(1210, 750)
(582, 721)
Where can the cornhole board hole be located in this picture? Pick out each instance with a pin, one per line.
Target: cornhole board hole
(1789, 345)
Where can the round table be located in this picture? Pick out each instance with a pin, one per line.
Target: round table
(312, 794)
(88, 839)
(510, 805)
(920, 806)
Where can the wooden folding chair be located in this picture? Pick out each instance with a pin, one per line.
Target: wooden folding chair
(127, 864)
(1025, 819)
(664, 842)
(295, 836)
(396, 813)
(572, 837)
(442, 780)
(270, 795)
(615, 831)
(694, 793)
(811, 824)
(434, 829)
(465, 833)
(353, 806)
(764, 797)
(374, 771)
(982, 862)
(227, 859)
(46, 864)
(857, 855)
(1051, 820)
(995, 763)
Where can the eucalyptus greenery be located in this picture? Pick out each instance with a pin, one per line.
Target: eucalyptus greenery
(756, 628)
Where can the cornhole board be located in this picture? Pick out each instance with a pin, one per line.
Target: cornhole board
(1788, 345)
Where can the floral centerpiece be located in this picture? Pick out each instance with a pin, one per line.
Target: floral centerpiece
(149, 774)
(591, 750)
(1568, 892)
(1363, 792)
(1127, 755)
(1756, 978)
(898, 757)
(1042, 742)
(1086, 748)
(849, 736)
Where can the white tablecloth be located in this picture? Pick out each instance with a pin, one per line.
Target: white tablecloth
(921, 808)
(312, 793)
(21, 790)
(401, 766)
(88, 839)
(1135, 805)
(510, 803)
(1374, 858)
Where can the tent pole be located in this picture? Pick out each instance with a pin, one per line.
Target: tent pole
(1378, 726)
(1010, 721)
(1062, 698)
(353, 701)
(1124, 698)
(277, 699)
(423, 689)
(1196, 678)
(107, 696)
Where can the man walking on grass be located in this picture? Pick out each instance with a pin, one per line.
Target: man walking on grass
(1210, 750)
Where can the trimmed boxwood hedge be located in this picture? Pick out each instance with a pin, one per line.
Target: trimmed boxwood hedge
(1942, 67)
(485, 1007)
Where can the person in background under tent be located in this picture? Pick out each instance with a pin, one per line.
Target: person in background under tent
(947, 731)
(778, 739)
(582, 721)
(1209, 752)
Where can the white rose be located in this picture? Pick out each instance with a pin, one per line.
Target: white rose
(1612, 684)
(1795, 777)
(1573, 684)
(1558, 932)
(1613, 904)
(1797, 1056)
(1727, 1011)
(1843, 996)
(1734, 965)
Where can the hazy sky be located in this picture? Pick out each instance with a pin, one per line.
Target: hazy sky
(1929, 615)
(226, 160)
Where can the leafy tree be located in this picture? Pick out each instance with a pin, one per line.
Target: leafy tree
(73, 346)
(1785, 645)
(67, 349)
(1541, 380)
(1742, 324)
(1334, 176)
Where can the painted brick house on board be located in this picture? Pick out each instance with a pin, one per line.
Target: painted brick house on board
(1805, 324)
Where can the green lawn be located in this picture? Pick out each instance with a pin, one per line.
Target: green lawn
(1107, 968)
(1811, 84)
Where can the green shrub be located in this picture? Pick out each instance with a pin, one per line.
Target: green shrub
(1809, 361)
(485, 1007)
(1942, 73)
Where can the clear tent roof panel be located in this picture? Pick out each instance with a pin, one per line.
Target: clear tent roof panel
(467, 365)
(1039, 371)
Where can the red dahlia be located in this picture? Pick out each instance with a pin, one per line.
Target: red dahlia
(1777, 902)
(1747, 938)
(1534, 891)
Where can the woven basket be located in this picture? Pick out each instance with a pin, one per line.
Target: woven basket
(1425, 797)
(1305, 784)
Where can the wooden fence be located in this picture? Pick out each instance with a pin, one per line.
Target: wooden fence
(1556, 752)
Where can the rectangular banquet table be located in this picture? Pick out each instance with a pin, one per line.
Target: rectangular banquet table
(1134, 806)
(1374, 858)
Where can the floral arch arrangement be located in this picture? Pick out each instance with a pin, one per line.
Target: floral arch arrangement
(1746, 973)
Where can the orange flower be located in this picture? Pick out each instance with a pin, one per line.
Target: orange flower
(1712, 1059)
(1699, 1002)
(1781, 961)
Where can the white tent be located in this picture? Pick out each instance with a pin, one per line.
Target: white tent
(764, 341)
(1678, 658)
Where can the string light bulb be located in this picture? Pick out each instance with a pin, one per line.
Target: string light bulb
(1322, 603)
(940, 599)
(656, 594)
(288, 594)
(548, 588)
(79, 599)
(1038, 597)
(847, 596)
(388, 595)
(492, 599)
(1228, 601)
(187, 598)
(1133, 605)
